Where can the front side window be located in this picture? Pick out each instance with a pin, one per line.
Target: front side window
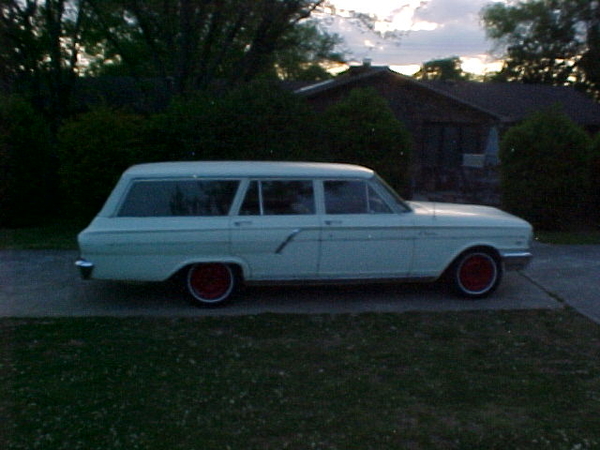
(352, 197)
(279, 197)
(163, 198)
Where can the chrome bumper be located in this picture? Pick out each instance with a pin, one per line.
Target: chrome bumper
(85, 268)
(516, 260)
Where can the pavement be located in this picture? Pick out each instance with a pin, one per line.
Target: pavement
(45, 283)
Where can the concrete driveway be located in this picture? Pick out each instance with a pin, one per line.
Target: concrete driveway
(570, 273)
(45, 283)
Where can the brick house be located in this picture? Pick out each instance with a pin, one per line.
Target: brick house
(455, 125)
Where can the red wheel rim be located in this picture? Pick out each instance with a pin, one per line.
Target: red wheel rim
(477, 273)
(210, 282)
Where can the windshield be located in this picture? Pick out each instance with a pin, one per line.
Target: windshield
(393, 195)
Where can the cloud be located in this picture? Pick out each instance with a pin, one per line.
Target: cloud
(439, 29)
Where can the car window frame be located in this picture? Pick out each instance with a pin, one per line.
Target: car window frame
(132, 182)
(369, 184)
(247, 183)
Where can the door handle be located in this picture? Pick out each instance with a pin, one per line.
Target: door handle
(333, 222)
(241, 223)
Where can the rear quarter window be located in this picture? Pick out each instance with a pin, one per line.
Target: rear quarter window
(189, 197)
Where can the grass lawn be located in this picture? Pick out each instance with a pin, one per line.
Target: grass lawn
(59, 235)
(569, 237)
(469, 380)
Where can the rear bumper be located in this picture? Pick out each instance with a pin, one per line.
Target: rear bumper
(85, 268)
(516, 260)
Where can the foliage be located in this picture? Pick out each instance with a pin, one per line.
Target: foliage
(193, 44)
(548, 41)
(362, 129)
(94, 149)
(304, 51)
(442, 69)
(544, 170)
(258, 121)
(40, 46)
(470, 380)
(27, 165)
(595, 177)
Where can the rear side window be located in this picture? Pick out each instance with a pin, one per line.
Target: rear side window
(274, 197)
(352, 197)
(160, 198)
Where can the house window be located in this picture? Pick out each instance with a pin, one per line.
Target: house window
(444, 144)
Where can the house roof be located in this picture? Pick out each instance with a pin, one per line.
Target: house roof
(514, 101)
(508, 102)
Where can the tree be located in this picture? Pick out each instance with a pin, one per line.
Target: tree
(545, 170)
(41, 45)
(547, 41)
(305, 50)
(442, 69)
(27, 165)
(193, 43)
(362, 129)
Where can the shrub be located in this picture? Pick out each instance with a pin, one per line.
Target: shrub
(258, 121)
(595, 178)
(544, 171)
(95, 148)
(27, 165)
(362, 129)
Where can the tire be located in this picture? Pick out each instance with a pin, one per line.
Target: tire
(210, 284)
(476, 274)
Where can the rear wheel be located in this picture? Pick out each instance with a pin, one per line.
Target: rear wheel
(476, 274)
(210, 284)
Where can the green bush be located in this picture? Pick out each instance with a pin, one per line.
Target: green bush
(544, 171)
(362, 129)
(595, 178)
(27, 164)
(258, 121)
(94, 149)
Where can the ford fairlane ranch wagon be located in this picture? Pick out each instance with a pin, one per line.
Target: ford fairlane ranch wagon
(217, 225)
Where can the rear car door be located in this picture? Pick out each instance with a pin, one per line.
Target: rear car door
(276, 231)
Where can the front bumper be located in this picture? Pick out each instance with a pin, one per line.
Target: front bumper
(85, 268)
(516, 260)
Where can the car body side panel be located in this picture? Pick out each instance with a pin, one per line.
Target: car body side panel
(152, 249)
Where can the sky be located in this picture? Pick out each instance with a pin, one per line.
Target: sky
(429, 29)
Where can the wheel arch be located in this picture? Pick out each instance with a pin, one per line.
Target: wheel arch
(485, 248)
(239, 268)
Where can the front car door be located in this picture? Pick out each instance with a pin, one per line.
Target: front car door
(363, 235)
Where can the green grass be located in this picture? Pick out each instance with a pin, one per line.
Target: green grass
(60, 235)
(493, 380)
(569, 237)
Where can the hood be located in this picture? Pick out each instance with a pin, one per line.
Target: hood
(467, 214)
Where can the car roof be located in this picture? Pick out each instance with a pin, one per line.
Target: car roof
(232, 169)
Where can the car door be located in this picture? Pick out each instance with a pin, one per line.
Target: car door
(276, 231)
(362, 236)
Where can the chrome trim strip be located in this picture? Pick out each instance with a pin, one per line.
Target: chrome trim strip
(85, 268)
(516, 260)
(287, 240)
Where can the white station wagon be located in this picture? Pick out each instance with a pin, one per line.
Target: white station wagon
(217, 225)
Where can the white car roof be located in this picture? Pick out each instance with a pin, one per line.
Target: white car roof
(232, 169)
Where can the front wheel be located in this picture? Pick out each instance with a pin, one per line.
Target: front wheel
(210, 284)
(475, 274)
